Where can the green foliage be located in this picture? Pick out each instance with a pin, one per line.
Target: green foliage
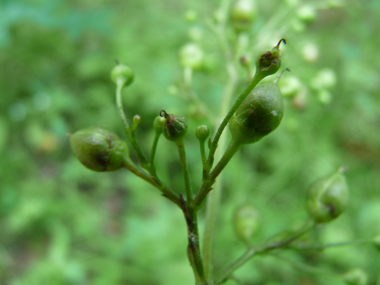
(60, 223)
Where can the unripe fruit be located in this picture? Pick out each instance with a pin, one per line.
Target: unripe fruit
(355, 276)
(158, 124)
(246, 222)
(259, 114)
(99, 149)
(269, 62)
(174, 128)
(243, 13)
(122, 74)
(202, 133)
(327, 197)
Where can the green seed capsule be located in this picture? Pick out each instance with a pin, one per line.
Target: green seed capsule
(99, 149)
(327, 197)
(269, 62)
(174, 128)
(158, 124)
(246, 222)
(355, 276)
(122, 74)
(259, 114)
(202, 133)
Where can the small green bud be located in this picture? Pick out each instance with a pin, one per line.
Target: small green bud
(269, 62)
(202, 133)
(246, 222)
(259, 114)
(175, 128)
(191, 55)
(327, 197)
(158, 124)
(376, 241)
(136, 121)
(243, 13)
(122, 73)
(99, 149)
(355, 276)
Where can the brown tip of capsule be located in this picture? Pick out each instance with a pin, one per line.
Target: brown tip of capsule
(282, 40)
(163, 113)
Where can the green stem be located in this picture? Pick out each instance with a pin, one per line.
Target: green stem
(153, 153)
(129, 130)
(303, 267)
(203, 155)
(206, 187)
(252, 251)
(328, 245)
(128, 164)
(154, 180)
(186, 176)
(193, 248)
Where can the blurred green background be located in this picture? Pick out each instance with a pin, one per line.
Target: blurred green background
(63, 224)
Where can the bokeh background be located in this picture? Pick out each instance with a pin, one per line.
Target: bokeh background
(63, 224)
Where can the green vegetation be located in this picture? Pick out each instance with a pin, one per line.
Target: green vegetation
(61, 223)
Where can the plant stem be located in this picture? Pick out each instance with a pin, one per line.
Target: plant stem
(206, 187)
(252, 251)
(193, 248)
(186, 176)
(153, 152)
(328, 245)
(129, 130)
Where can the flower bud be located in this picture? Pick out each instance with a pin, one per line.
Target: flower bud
(355, 276)
(269, 62)
(175, 128)
(123, 74)
(158, 124)
(246, 222)
(327, 197)
(243, 13)
(99, 149)
(202, 133)
(259, 114)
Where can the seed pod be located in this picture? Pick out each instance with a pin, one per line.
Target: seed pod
(122, 74)
(269, 62)
(158, 124)
(327, 197)
(355, 276)
(99, 149)
(246, 222)
(202, 133)
(174, 128)
(243, 13)
(259, 114)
